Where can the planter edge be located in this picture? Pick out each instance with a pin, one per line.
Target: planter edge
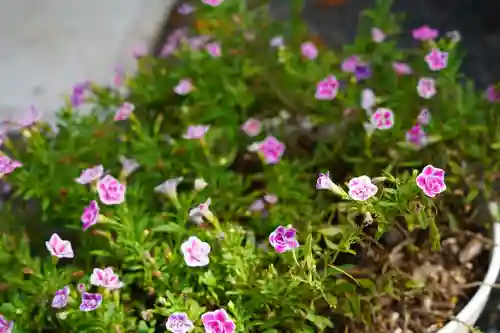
(471, 312)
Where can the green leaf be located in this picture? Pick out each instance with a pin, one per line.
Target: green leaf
(169, 227)
(330, 231)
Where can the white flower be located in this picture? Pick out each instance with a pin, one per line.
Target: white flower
(128, 165)
(200, 184)
(169, 187)
(368, 100)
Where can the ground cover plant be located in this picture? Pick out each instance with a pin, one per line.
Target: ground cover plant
(251, 180)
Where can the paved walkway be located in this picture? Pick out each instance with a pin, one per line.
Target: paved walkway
(48, 45)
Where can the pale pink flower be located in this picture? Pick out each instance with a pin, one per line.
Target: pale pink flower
(361, 188)
(197, 42)
(195, 252)
(378, 35)
(424, 117)
(283, 239)
(424, 33)
(431, 181)
(271, 150)
(140, 50)
(350, 64)
(382, 119)
(214, 49)
(417, 136)
(277, 41)
(257, 206)
(309, 50)
(436, 60)
(128, 165)
(59, 248)
(185, 9)
(251, 127)
(196, 132)
(184, 87)
(60, 299)
(105, 278)
(200, 212)
(426, 87)
(327, 89)
(90, 175)
(30, 118)
(368, 100)
(270, 198)
(111, 191)
(179, 322)
(6, 326)
(213, 3)
(119, 77)
(8, 165)
(124, 111)
(90, 215)
(401, 68)
(218, 321)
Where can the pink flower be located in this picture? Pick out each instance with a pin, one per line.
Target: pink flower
(185, 9)
(252, 127)
(195, 43)
(424, 33)
(179, 322)
(270, 198)
(213, 3)
(401, 68)
(431, 181)
(349, 65)
(327, 88)
(426, 87)
(196, 132)
(111, 191)
(277, 41)
(8, 165)
(124, 111)
(169, 187)
(271, 150)
(283, 239)
(195, 252)
(424, 117)
(90, 215)
(60, 298)
(30, 118)
(218, 321)
(105, 278)
(59, 248)
(139, 50)
(382, 119)
(90, 175)
(416, 136)
(118, 78)
(213, 49)
(184, 87)
(200, 212)
(257, 206)
(90, 301)
(6, 325)
(309, 50)
(361, 188)
(436, 60)
(378, 35)
(493, 93)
